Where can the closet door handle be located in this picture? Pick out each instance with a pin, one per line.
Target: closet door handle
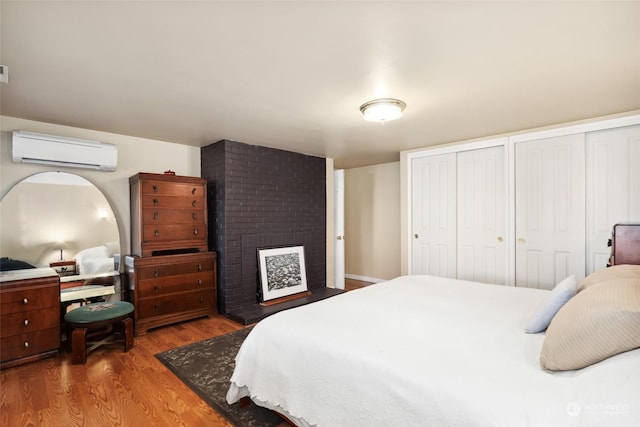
(522, 241)
(500, 239)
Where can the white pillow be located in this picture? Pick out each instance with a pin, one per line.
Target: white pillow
(95, 252)
(112, 248)
(541, 317)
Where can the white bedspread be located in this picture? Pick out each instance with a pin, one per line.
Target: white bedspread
(426, 351)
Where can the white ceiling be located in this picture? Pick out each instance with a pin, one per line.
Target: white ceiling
(293, 74)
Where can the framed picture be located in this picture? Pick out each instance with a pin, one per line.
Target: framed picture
(282, 272)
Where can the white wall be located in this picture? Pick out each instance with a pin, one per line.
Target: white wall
(372, 221)
(134, 155)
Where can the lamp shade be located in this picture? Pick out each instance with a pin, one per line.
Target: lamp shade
(382, 110)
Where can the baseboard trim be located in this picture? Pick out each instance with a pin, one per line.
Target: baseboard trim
(363, 278)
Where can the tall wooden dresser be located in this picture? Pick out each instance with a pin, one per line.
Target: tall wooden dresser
(168, 213)
(171, 275)
(30, 316)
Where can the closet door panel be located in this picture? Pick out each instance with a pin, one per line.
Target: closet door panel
(550, 210)
(481, 215)
(613, 188)
(433, 215)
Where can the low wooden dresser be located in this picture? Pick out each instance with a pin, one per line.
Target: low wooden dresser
(171, 288)
(30, 316)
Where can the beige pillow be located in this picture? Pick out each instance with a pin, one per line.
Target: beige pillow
(614, 272)
(599, 322)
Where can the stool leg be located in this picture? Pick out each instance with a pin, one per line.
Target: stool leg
(69, 332)
(127, 329)
(79, 346)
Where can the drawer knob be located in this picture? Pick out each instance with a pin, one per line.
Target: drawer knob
(25, 301)
(156, 308)
(26, 322)
(201, 300)
(156, 288)
(155, 202)
(26, 344)
(195, 231)
(194, 203)
(199, 282)
(156, 272)
(156, 232)
(199, 267)
(194, 216)
(155, 215)
(193, 190)
(155, 188)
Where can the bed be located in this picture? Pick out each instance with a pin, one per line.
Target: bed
(98, 259)
(432, 351)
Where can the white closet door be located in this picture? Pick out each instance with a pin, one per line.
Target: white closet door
(481, 215)
(613, 188)
(550, 210)
(433, 212)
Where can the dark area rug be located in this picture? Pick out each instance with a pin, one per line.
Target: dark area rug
(206, 367)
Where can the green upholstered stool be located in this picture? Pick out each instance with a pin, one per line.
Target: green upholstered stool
(114, 316)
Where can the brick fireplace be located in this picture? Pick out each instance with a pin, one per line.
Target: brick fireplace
(261, 197)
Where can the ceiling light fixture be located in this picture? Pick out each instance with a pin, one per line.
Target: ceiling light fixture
(382, 110)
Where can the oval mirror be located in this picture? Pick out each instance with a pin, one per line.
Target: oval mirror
(55, 216)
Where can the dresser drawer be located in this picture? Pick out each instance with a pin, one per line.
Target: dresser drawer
(172, 216)
(170, 233)
(169, 304)
(172, 188)
(29, 321)
(158, 268)
(30, 298)
(28, 344)
(172, 202)
(174, 284)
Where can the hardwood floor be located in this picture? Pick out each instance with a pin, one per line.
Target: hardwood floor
(351, 284)
(114, 388)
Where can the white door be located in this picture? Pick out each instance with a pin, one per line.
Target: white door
(433, 215)
(613, 188)
(549, 210)
(481, 215)
(338, 223)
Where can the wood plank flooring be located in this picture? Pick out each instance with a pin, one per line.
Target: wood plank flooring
(351, 284)
(114, 388)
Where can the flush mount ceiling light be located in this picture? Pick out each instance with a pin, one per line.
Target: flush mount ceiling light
(382, 110)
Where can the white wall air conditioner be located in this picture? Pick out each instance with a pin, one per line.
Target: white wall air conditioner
(50, 150)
